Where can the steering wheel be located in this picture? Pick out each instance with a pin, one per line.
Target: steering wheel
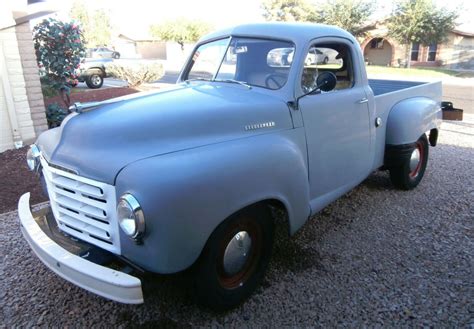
(272, 79)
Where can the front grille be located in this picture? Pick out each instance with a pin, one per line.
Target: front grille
(83, 208)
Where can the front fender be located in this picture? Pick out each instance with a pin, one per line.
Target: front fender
(411, 118)
(186, 195)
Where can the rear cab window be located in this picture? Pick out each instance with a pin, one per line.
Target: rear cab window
(334, 57)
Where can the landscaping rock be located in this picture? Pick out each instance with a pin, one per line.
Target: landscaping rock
(375, 257)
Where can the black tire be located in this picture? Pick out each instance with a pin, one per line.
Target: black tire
(325, 60)
(220, 290)
(116, 55)
(95, 80)
(406, 178)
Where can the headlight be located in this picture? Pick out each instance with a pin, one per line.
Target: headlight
(32, 157)
(130, 216)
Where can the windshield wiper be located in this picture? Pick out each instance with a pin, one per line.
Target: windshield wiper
(197, 79)
(242, 83)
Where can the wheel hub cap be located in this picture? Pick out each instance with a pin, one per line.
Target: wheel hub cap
(414, 159)
(237, 252)
(96, 80)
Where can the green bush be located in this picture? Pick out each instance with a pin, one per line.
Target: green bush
(55, 114)
(46, 87)
(59, 49)
(136, 73)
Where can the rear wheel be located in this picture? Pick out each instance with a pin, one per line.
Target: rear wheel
(235, 258)
(409, 174)
(94, 81)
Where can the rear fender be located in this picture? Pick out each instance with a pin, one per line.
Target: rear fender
(411, 118)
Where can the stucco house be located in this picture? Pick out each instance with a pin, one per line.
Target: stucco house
(456, 53)
(22, 112)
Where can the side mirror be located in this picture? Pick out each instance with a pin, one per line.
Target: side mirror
(326, 81)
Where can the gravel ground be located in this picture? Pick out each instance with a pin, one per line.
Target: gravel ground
(17, 179)
(375, 257)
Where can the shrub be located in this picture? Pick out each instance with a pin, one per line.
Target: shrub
(59, 48)
(55, 114)
(136, 73)
(47, 88)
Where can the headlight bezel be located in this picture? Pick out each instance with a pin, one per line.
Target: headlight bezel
(32, 157)
(134, 208)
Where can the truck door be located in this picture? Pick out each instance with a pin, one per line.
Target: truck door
(336, 124)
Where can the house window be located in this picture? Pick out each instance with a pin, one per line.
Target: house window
(432, 52)
(415, 51)
(376, 43)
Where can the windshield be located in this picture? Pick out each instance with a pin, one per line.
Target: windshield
(254, 62)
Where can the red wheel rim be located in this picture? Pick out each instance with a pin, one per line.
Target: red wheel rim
(415, 172)
(238, 279)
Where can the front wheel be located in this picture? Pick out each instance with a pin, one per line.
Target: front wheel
(235, 258)
(409, 173)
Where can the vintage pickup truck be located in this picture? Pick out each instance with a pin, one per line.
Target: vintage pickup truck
(188, 178)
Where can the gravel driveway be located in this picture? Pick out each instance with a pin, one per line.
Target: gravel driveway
(375, 257)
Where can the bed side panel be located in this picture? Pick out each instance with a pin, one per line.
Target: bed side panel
(385, 103)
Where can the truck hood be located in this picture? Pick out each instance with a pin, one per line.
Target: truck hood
(98, 143)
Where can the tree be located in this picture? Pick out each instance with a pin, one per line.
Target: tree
(351, 15)
(181, 31)
(420, 21)
(287, 10)
(59, 48)
(80, 13)
(96, 27)
(101, 27)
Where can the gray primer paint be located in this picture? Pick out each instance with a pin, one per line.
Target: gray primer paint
(187, 157)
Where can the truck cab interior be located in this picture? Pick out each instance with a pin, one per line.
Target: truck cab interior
(339, 62)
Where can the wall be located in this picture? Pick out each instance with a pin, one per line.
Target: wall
(6, 136)
(14, 92)
(22, 112)
(30, 73)
(457, 52)
(151, 49)
(379, 56)
(126, 48)
(381, 31)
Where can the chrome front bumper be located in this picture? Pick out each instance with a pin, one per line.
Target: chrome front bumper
(101, 280)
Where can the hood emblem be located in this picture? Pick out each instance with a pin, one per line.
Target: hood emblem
(260, 125)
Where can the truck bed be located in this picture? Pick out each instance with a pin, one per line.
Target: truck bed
(390, 92)
(380, 87)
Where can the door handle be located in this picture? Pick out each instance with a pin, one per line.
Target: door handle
(362, 101)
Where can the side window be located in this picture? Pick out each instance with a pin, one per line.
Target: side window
(332, 57)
